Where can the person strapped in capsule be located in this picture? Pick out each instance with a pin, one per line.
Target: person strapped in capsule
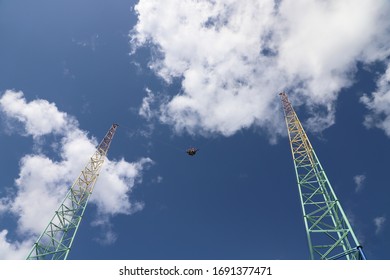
(192, 151)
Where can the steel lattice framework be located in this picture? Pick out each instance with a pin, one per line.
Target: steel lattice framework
(329, 233)
(56, 240)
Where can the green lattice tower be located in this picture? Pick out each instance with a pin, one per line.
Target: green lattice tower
(329, 232)
(56, 240)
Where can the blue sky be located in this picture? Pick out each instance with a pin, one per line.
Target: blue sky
(176, 74)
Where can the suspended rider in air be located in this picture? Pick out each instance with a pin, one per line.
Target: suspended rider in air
(192, 151)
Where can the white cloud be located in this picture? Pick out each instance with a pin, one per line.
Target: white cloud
(359, 181)
(91, 42)
(145, 109)
(43, 182)
(107, 236)
(115, 185)
(4, 202)
(112, 194)
(13, 250)
(40, 186)
(379, 224)
(39, 117)
(234, 57)
(159, 179)
(379, 104)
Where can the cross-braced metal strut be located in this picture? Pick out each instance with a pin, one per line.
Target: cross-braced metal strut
(56, 240)
(329, 232)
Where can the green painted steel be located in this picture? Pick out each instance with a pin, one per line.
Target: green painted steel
(329, 233)
(56, 240)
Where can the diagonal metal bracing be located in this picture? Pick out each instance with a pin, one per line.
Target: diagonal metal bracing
(56, 240)
(329, 234)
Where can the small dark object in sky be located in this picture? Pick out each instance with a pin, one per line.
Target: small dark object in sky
(192, 151)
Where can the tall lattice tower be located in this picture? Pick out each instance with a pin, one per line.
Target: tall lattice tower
(329, 232)
(56, 240)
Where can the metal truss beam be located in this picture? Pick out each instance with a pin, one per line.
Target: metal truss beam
(329, 233)
(56, 240)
